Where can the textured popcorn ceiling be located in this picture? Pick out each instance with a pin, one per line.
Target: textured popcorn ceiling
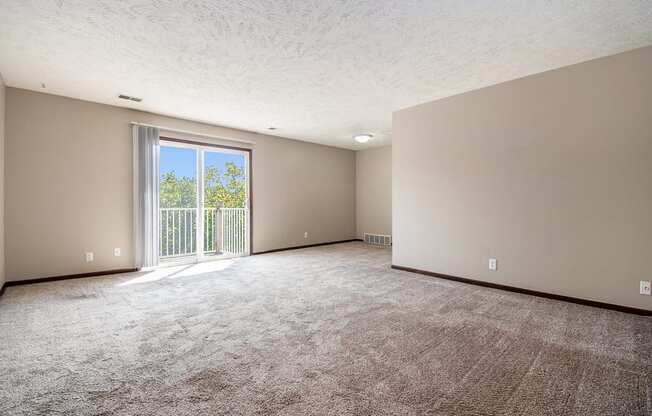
(318, 70)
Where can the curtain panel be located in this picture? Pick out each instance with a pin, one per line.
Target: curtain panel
(146, 195)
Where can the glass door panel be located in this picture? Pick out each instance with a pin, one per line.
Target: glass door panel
(226, 213)
(178, 202)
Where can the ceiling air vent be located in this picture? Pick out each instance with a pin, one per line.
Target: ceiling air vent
(378, 239)
(130, 98)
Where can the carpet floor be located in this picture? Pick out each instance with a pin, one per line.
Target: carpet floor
(321, 331)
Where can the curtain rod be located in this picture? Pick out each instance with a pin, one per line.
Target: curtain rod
(210, 136)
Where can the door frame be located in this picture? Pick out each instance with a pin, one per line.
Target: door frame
(200, 181)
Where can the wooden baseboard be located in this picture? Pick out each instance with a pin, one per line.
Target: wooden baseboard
(2, 290)
(69, 276)
(276, 250)
(586, 302)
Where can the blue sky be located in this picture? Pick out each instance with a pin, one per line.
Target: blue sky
(183, 161)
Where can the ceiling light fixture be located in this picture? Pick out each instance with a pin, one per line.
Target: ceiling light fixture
(362, 138)
(271, 128)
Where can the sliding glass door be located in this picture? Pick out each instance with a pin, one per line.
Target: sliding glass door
(226, 202)
(204, 202)
(177, 202)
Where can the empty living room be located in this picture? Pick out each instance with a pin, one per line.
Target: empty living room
(326, 207)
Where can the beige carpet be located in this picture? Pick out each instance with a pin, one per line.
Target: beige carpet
(323, 331)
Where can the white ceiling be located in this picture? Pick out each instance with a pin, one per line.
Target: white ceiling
(318, 70)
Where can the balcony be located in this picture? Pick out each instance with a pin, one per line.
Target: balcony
(224, 232)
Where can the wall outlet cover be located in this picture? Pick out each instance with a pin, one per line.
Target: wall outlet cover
(89, 256)
(493, 264)
(117, 252)
(646, 289)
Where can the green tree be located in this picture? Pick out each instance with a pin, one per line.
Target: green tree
(177, 192)
(225, 188)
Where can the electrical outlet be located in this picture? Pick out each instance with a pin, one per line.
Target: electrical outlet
(305, 235)
(117, 252)
(89, 257)
(645, 288)
(493, 264)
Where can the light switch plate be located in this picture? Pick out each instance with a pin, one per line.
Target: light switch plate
(117, 252)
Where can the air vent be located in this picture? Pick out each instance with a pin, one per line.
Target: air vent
(378, 239)
(130, 98)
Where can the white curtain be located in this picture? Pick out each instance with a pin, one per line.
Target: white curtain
(146, 195)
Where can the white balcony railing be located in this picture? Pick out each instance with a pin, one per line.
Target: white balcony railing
(234, 230)
(225, 231)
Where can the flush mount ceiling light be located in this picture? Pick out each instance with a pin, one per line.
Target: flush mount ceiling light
(362, 138)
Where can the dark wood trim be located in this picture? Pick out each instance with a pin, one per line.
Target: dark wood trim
(586, 302)
(249, 173)
(2, 289)
(197, 143)
(276, 250)
(69, 276)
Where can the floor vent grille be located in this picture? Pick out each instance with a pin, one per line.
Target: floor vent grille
(378, 239)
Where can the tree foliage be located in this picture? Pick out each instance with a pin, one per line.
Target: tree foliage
(226, 188)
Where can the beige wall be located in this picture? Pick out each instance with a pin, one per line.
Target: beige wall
(551, 174)
(69, 186)
(2, 181)
(373, 176)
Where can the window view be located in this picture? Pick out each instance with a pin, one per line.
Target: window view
(178, 202)
(225, 214)
(224, 180)
(178, 182)
(223, 219)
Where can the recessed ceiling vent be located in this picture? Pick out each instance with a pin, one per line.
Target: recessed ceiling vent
(378, 239)
(130, 98)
